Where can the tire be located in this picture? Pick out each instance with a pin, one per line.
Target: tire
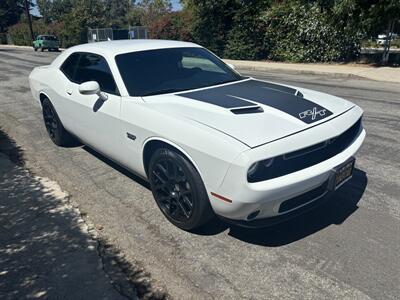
(41, 49)
(179, 190)
(34, 48)
(57, 49)
(54, 127)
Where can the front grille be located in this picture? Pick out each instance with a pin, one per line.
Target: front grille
(303, 198)
(307, 157)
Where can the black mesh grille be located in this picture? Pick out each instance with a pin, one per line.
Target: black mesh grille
(303, 198)
(307, 157)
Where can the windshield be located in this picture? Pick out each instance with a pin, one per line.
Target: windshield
(49, 38)
(163, 71)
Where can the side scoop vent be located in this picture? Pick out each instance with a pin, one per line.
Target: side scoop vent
(247, 110)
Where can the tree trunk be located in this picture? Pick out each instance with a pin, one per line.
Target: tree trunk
(386, 51)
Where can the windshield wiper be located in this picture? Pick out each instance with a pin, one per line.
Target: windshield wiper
(166, 91)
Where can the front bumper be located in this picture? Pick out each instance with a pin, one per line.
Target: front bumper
(298, 205)
(267, 197)
(265, 222)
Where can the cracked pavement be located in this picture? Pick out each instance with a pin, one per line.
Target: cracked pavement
(349, 248)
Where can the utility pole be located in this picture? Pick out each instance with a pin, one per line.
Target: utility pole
(28, 16)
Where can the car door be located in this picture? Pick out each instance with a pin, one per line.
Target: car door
(94, 121)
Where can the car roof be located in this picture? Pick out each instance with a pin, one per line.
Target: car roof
(110, 49)
(125, 46)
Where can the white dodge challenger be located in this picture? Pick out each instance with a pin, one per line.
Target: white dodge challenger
(208, 140)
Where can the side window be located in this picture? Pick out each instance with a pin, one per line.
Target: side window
(69, 66)
(94, 67)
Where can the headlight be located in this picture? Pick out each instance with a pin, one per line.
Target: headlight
(259, 166)
(253, 168)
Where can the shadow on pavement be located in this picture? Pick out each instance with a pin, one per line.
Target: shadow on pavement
(11, 149)
(117, 167)
(47, 250)
(7, 50)
(335, 210)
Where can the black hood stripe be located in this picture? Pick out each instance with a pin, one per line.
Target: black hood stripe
(217, 96)
(273, 95)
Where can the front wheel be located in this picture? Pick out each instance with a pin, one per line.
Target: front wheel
(34, 48)
(41, 49)
(54, 127)
(179, 190)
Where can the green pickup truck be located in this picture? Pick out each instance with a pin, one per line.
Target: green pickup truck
(49, 42)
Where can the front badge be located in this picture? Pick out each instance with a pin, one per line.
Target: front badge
(314, 113)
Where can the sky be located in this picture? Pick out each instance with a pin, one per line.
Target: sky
(176, 5)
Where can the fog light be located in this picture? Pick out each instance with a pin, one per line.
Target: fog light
(253, 215)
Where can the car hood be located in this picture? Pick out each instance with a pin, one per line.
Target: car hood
(251, 111)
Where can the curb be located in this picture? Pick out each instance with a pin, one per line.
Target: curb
(297, 72)
(375, 74)
(15, 46)
(22, 47)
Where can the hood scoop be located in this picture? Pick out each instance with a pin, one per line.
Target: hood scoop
(247, 110)
(240, 96)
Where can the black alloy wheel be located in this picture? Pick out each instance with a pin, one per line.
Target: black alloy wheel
(50, 121)
(54, 127)
(179, 190)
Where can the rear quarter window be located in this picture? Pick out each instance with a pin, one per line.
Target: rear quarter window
(69, 66)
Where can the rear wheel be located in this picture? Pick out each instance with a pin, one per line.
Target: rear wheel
(178, 190)
(54, 127)
(41, 49)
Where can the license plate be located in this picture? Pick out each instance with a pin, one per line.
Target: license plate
(344, 173)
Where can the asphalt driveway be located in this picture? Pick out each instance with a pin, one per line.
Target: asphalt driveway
(347, 248)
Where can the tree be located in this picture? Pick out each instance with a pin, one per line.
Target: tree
(246, 38)
(301, 32)
(385, 13)
(10, 12)
(44, 9)
(212, 21)
(60, 8)
(148, 11)
(84, 14)
(154, 9)
(117, 13)
(172, 26)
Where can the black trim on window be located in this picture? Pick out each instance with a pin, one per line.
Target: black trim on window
(73, 79)
(62, 67)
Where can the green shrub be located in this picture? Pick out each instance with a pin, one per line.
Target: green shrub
(172, 26)
(20, 34)
(304, 33)
(396, 43)
(246, 39)
(3, 38)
